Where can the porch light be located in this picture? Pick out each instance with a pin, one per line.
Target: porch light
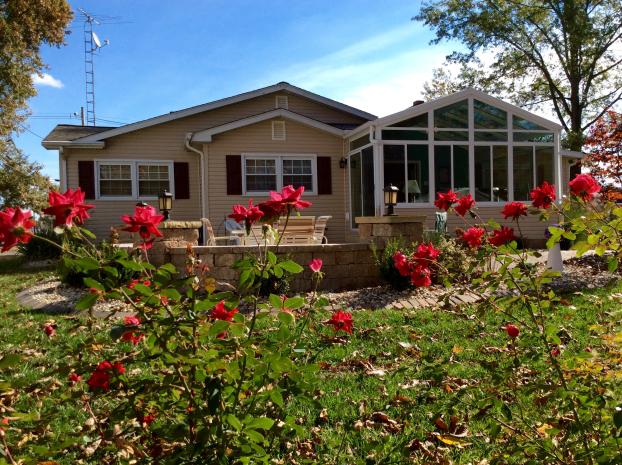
(343, 163)
(165, 202)
(390, 198)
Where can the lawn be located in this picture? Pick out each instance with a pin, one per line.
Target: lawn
(390, 393)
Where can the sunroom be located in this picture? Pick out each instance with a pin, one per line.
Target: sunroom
(469, 142)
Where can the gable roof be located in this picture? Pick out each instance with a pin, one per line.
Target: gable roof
(63, 134)
(207, 134)
(281, 86)
(453, 98)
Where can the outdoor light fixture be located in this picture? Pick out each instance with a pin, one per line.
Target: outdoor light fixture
(390, 198)
(343, 163)
(165, 202)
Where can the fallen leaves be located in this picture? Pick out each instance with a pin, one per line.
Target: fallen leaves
(378, 420)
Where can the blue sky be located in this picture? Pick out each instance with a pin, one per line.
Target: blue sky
(168, 55)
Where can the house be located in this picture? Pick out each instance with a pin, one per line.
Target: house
(225, 152)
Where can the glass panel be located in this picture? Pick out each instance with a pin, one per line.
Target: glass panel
(461, 169)
(388, 134)
(361, 141)
(533, 137)
(485, 136)
(260, 175)
(442, 168)
(298, 172)
(523, 172)
(420, 121)
(451, 135)
(395, 169)
(483, 188)
(521, 123)
(152, 188)
(115, 188)
(499, 173)
(356, 200)
(418, 186)
(544, 165)
(368, 182)
(452, 116)
(489, 117)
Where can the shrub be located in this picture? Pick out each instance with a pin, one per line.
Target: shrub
(39, 247)
(457, 261)
(386, 266)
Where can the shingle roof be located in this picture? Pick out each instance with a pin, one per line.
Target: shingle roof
(69, 132)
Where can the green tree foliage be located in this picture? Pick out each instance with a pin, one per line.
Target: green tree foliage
(560, 54)
(21, 182)
(25, 25)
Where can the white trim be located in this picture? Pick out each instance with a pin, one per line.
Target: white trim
(133, 163)
(571, 153)
(278, 157)
(51, 145)
(206, 135)
(281, 86)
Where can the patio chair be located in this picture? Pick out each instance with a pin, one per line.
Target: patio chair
(319, 229)
(211, 238)
(299, 226)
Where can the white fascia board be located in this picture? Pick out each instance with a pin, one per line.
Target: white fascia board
(282, 86)
(571, 153)
(206, 135)
(72, 144)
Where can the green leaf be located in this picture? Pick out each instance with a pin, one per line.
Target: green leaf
(111, 270)
(294, 302)
(218, 327)
(286, 318)
(131, 265)
(617, 417)
(233, 421)
(271, 257)
(9, 360)
(275, 301)
(264, 423)
(613, 264)
(87, 263)
(276, 397)
(171, 294)
(90, 282)
(87, 301)
(291, 266)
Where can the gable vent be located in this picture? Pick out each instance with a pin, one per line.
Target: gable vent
(278, 130)
(281, 101)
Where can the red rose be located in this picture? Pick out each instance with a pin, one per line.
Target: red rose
(131, 320)
(219, 312)
(132, 336)
(543, 196)
(465, 204)
(400, 262)
(555, 352)
(446, 200)
(144, 222)
(584, 186)
(316, 265)
(119, 368)
(502, 236)
(49, 329)
(147, 420)
(74, 378)
(68, 207)
(420, 276)
(473, 236)
(100, 379)
(289, 198)
(248, 216)
(512, 330)
(426, 253)
(15, 226)
(514, 210)
(341, 321)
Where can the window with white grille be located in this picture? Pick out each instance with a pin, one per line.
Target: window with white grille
(278, 130)
(281, 101)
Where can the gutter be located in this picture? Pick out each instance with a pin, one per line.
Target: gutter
(204, 212)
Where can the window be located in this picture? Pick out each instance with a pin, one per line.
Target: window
(532, 166)
(133, 179)
(361, 165)
(360, 142)
(115, 180)
(489, 117)
(406, 167)
(491, 173)
(451, 168)
(152, 180)
(265, 173)
(452, 116)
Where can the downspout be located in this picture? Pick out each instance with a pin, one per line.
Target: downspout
(202, 169)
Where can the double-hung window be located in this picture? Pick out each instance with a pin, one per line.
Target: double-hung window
(133, 179)
(265, 173)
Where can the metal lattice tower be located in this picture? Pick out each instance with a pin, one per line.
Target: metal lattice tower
(91, 45)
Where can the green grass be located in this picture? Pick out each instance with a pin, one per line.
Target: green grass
(413, 365)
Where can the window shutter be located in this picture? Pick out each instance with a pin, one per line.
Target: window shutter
(181, 174)
(86, 177)
(324, 178)
(234, 174)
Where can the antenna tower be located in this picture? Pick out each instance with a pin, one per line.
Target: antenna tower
(91, 45)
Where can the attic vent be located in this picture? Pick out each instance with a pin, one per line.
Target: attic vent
(278, 130)
(281, 101)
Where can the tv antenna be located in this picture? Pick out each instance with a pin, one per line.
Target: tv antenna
(92, 44)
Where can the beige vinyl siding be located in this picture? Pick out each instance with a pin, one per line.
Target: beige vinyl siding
(531, 226)
(107, 213)
(257, 138)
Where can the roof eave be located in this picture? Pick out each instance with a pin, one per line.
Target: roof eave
(56, 144)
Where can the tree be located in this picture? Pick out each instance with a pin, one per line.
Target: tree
(25, 25)
(604, 145)
(561, 54)
(21, 182)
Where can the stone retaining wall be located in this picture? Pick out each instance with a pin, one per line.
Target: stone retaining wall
(346, 266)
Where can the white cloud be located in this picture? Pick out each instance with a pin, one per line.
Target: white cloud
(46, 79)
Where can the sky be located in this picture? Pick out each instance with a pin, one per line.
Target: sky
(170, 55)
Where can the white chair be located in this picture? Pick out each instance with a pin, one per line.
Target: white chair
(319, 228)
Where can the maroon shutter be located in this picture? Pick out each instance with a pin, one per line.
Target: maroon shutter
(86, 177)
(181, 174)
(324, 178)
(234, 174)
